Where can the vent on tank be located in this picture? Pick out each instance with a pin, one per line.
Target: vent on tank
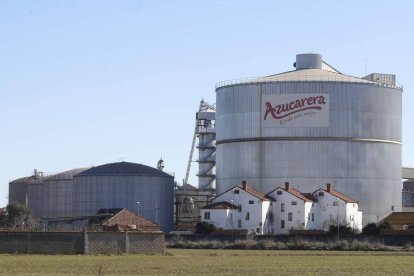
(308, 61)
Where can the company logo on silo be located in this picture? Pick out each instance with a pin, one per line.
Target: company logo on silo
(295, 110)
(283, 110)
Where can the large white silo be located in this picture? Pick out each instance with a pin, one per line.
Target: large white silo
(311, 126)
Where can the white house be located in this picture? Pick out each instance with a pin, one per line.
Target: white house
(252, 208)
(335, 208)
(218, 214)
(281, 210)
(290, 209)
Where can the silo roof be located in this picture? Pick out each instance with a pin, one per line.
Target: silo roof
(28, 179)
(312, 75)
(124, 168)
(37, 179)
(303, 75)
(65, 175)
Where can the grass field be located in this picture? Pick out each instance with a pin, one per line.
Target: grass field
(214, 262)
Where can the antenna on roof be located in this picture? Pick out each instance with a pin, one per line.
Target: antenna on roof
(160, 164)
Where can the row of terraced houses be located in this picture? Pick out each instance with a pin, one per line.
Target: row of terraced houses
(281, 210)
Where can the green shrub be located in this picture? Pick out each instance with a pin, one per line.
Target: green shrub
(204, 228)
(343, 229)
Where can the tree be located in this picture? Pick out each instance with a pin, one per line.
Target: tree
(18, 217)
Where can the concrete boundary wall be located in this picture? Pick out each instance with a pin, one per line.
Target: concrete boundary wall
(81, 242)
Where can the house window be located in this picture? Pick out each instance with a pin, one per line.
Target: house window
(320, 193)
(239, 223)
(282, 207)
(236, 191)
(294, 203)
(335, 203)
(309, 216)
(239, 208)
(282, 224)
(207, 215)
(251, 202)
(279, 192)
(313, 217)
(351, 217)
(290, 216)
(247, 216)
(257, 230)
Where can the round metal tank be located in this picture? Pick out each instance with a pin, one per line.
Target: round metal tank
(146, 191)
(310, 127)
(18, 189)
(51, 196)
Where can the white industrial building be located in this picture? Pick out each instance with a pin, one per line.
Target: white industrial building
(281, 210)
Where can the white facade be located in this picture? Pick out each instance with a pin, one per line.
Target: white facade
(281, 210)
(333, 209)
(221, 218)
(288, 211)
(251, 212)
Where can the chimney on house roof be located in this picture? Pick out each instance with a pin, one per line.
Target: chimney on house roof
(244, 185)
(328, 187)
(287, 186)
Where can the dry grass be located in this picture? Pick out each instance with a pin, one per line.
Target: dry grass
(297, 244)
(215, 262)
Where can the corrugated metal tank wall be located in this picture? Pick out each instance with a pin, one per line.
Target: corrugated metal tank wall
(18, 189)
(120, 185)
(36, 199)
(154, 194)
(51, 196)
(359, 152)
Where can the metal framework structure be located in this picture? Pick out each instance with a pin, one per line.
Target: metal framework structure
(206, 132)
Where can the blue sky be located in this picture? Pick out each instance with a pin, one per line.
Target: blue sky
(91, 82)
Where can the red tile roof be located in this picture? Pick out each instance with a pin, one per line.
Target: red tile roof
(298, 194)
(303, 196)
(254, 192)
(249, 190)
(123, 217)
(341, 196)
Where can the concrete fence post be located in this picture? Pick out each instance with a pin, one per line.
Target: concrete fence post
(85, 243)
(126, 242)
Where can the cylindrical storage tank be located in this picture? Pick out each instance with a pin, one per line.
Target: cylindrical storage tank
(36, 198)
(310, 127)
(18, 189)
(56, 196)
(51, 196)
(144, 190)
